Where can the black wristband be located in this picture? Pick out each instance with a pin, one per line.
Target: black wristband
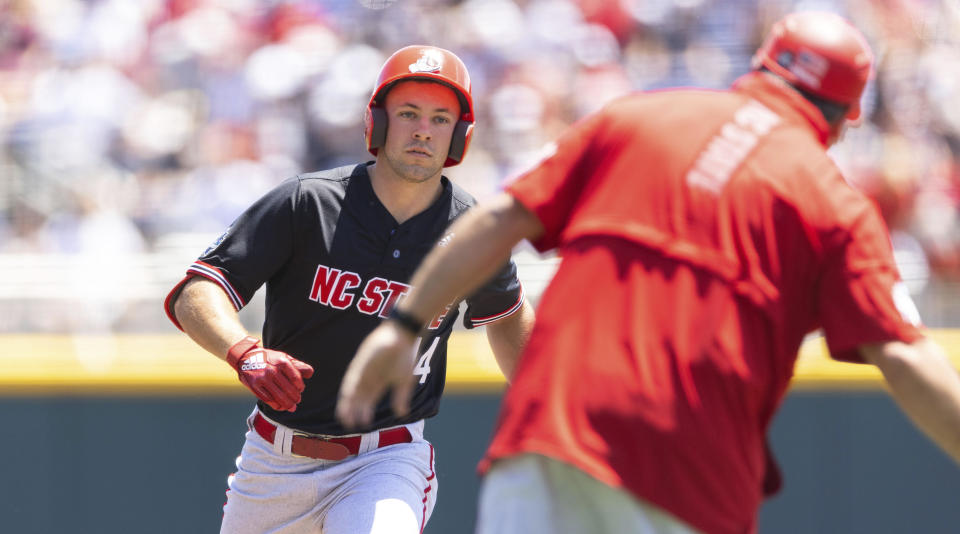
(406, 321)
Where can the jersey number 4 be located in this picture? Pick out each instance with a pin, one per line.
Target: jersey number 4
(422, 369)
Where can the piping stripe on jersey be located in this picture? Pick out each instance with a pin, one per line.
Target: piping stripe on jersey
(212, 273)
(168, 302)
(480, 321)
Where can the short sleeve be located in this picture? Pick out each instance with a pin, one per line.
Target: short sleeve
(861, 297)
(500, 297)
(550, 190)
(250, 251)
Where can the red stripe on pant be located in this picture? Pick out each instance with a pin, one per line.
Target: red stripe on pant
(433, 474)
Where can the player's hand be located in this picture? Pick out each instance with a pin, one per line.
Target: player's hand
(274, 377)
(384, 359)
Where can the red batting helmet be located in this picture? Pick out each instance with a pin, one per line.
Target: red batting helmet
(821, 53)
(422, 63)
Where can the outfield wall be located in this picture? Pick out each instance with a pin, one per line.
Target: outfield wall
(128, 445)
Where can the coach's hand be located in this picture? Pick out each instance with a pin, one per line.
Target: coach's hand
(274, 377)
(384, 359)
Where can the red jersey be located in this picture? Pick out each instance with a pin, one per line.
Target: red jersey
(703, 235)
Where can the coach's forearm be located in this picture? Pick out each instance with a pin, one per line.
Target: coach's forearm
(925, 386)
(479, 243)
(207, 316)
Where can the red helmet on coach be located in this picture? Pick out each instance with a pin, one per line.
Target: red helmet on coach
(422, 63)
(821, 53)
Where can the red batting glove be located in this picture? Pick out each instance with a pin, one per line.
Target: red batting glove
(274, 377)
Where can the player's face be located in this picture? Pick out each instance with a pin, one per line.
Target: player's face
(421, 117)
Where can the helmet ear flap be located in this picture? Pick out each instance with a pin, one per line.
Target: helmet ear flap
(460, 141)
(376, 128)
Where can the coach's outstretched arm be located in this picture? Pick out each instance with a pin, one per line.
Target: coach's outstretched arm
(481, 241)
(925, 385)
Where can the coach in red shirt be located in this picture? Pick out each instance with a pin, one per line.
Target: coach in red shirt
(703, 235)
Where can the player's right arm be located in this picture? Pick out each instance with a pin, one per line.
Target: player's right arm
(925, 385)
(207, 315)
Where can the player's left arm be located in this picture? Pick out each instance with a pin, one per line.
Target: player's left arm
(508, 336)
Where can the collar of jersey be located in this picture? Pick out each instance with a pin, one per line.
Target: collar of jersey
(368, 199)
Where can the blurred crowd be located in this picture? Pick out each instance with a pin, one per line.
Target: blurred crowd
(127, 123)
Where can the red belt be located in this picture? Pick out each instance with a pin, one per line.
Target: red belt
(321, 448)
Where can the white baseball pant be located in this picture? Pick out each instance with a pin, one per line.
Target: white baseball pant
(381, 490)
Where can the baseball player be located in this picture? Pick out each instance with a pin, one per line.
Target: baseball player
(336, 250)
(703, 235)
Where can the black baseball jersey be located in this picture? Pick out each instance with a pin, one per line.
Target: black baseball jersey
(334, 262)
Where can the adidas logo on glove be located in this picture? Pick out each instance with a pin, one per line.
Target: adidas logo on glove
(254, 362)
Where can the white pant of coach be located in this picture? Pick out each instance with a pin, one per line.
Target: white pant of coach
(533, 494)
